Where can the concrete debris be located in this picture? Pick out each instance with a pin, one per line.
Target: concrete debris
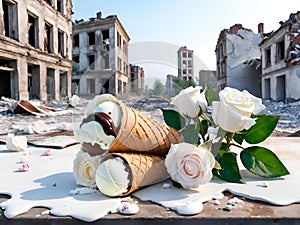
(24, 106)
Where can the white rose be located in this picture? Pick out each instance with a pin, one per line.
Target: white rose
(189, 165)
(233, 111)
(189, 101)
(84, 169)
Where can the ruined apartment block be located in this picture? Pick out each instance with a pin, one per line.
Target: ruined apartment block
(137, 79)
(208, 77)
(100, 56)
(185, 63)
(238, 59)
(281, 61)
(35, 49)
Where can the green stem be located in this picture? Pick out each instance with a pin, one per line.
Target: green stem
(201, 131)
(229, 138)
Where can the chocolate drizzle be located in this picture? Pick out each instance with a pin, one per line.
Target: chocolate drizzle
(104, 120)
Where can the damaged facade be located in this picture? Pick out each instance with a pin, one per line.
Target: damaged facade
(35, 49)
(185, 63)
(238, 59)
(137, 79)
(100, 56)
(281, 61)
(208, 77)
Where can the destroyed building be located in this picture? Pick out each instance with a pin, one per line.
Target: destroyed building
(208, 77)
(281, 61)
(238, 59)
(137, 79)
(35, 49)
(100, 56)
(185, 63)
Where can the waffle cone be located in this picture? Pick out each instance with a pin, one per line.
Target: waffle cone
(144, 169)
(138, 132)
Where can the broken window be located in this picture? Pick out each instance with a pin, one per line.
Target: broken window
(49, 2)
(76, 40)
(33, 72)
(76, 58)
(184, 54)
(119, 40)
(190, 63)
(124, 47)
(106, 61)
(50, 84)
(268, 57)
(91, 86)
(60, 6)
(75, 63)
(92, 39)
(91, 62)
(184, 71)
(10, 17)
(61, 43)
(190, 71)
(48, 40)
(33, 31)
(184, 63)
(119, 64)
(63, 84)
(280, 51)
(190, 55)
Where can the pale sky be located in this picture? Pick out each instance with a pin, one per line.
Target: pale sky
(192, 23)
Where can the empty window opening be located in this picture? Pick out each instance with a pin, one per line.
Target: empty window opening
(63, 84)
(5, 76)
(76, 58)
(190, 71)
(280, 51)
(50, 84)
(267, 89)
(60, 6)
(268, 57)
(10, 17)
(92, 39)
(33, 31)
(184, 54)
(49, 2)
(280, 88)
(91, 61)
(119, 40)
(61, 43)
(48, 42)
(105, 86)
(76, 40)
(33, 72)
(75, 86)
(106, 61)
(91, 86)
(190, 55)
(75, 63)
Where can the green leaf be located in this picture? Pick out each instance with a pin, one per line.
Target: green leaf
(263, 162)
(210, 95)
(173, 119)
(262, 129)
(229, 168)
(239, 137)
(204, 124)
(191, 134)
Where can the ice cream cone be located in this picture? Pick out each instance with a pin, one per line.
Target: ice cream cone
(138, 132)
(144, 169)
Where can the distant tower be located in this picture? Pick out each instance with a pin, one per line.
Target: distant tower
(185, 63)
